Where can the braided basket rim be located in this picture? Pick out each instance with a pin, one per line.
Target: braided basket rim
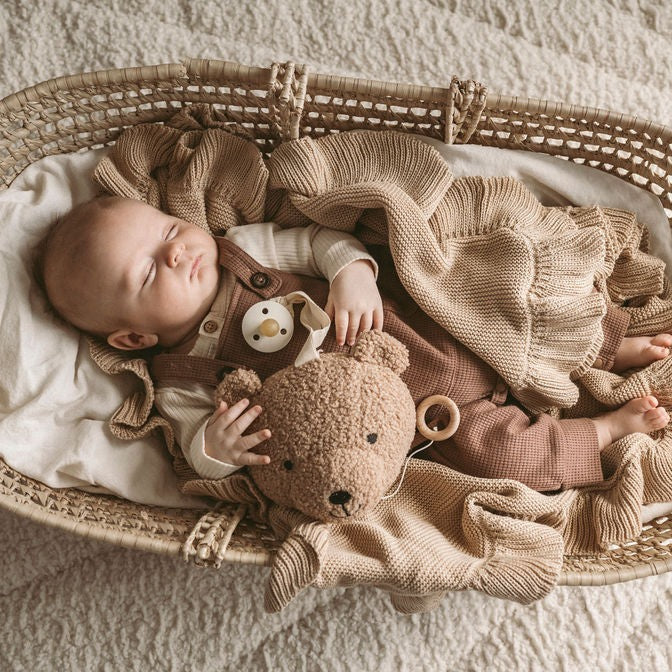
(33, 124)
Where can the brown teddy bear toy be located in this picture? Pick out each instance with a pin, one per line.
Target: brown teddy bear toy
(341, 426)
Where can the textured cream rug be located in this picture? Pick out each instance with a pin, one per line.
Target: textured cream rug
(70, 604)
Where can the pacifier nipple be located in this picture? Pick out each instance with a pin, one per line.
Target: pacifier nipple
(269, 328)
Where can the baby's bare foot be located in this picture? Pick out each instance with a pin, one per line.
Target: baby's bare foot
(641, 351)
(638, 415)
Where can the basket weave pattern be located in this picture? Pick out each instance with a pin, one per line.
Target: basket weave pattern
(285, 101)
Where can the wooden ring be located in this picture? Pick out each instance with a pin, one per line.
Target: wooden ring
(440, 400)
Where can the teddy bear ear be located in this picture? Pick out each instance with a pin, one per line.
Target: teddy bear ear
(378, 347)
(237, 385)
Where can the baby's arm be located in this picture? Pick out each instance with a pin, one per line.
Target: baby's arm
(198, 430)
(354, 303)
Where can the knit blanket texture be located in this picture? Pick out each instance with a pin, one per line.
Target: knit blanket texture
(505, 275)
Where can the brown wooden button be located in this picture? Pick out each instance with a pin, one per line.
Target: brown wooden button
(598, 363)
(210, 327)
(260, 280)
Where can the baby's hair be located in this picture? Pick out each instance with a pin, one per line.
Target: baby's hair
(67, 238)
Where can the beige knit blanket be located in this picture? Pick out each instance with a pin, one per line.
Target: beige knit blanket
(508, 277)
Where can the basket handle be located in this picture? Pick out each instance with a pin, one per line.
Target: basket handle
(466, 102)
(286, 95)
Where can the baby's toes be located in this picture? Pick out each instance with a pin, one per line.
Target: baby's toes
(657, 418)
(664, 340)
(657, 351)
(642, 404)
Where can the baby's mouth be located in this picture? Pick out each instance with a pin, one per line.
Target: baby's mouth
(195, 266)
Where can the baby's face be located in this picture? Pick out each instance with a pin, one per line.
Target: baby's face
(157, 274)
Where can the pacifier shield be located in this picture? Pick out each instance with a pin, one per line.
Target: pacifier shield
(268, 326)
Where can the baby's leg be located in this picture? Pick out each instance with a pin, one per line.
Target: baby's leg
(504, 442)
(542, 452)
(639, 351)
(638, 415)
(619, 352)
(614, 325)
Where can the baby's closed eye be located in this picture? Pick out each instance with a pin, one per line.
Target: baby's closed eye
(150, 274)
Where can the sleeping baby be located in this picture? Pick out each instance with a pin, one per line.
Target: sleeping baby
(144, 280)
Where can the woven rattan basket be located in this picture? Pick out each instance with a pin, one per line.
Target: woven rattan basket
(81, 112)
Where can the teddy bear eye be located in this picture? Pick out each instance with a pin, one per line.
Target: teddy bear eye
(288, 464)
(372, 438)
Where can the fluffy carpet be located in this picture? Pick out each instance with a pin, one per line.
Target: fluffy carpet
(72, 604)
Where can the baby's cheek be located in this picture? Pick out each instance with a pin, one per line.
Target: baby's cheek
(172, 301)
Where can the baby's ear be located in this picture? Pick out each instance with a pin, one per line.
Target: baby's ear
(378, 347)
(237, 385)
(125, 339)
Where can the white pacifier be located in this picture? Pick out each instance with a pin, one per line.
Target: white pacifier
(268, 326)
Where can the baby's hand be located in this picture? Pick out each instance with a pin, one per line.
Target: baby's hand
(354, 303)
(223, 439)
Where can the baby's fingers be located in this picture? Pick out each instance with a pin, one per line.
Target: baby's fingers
(252, 459)
(353, 328)
(341, 325)
(224, 417)
(378, 319)
(218, 413)
(245, 420)
(248, 442)
(365, 322)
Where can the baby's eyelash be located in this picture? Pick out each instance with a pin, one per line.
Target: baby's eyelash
(150, 274)
(171, 232)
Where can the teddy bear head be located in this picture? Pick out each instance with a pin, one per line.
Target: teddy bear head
(341, 426)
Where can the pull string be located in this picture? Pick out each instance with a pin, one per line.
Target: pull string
(403, 471)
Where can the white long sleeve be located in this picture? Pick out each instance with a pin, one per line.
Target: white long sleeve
(310, 250)
(188, 409)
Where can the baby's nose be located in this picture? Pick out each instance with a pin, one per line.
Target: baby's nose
(173, 253)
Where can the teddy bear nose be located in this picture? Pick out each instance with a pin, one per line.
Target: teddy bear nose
(340, 497)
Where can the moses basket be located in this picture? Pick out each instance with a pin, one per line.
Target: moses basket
(285, 101)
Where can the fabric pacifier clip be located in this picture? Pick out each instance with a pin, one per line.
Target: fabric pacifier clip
(313, 318)
(268, 326)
